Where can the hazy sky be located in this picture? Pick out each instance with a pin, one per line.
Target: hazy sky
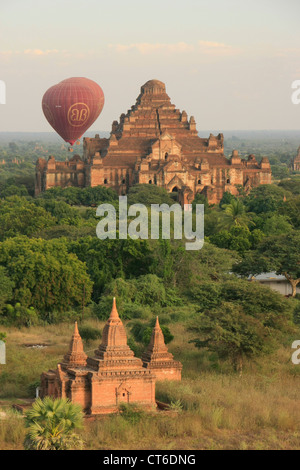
(230, 63)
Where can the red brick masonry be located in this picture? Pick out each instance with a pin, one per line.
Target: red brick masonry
(155, 143)
(114, 375)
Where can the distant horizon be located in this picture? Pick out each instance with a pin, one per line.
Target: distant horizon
(97, 131)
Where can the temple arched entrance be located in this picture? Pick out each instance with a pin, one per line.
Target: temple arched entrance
(174, 193)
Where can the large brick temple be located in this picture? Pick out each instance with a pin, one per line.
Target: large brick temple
(295, 164)
(114, 375)
(155, 143)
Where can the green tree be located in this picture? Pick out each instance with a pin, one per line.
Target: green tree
(148, 194)
(238, 238)
(21, 217)
(279, 253)
(150, 290)
(85, 196)
(235, 214)
(266, 198)
(13, 190)
(291, 185)
(46, 277)
(232, 334)
(6, 288)
(226, 199)
(238, 318)
(291, 210)
(62, 212)
(51, 425)
(276, 225)
(110, 259)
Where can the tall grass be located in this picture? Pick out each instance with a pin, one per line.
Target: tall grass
(259, 410)
(12, 431)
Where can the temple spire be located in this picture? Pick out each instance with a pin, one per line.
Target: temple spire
(113, 351)
(157, 342)
(76, 332)
(159, 359)
(76, 356)
(114, 312)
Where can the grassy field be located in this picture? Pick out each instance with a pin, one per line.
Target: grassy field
(220, 410)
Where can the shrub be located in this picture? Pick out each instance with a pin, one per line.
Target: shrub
(89, 333)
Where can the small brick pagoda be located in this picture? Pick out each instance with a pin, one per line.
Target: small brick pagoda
(155, 143)
(158, 359)
(114, 375)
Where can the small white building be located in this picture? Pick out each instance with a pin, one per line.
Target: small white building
(275, 282)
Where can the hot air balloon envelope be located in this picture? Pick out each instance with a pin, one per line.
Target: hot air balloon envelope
(72, 106)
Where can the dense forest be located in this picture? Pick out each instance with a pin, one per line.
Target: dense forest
(53, 268)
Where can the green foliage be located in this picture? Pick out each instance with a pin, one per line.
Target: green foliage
(51, 425)
(150, 290)
(235, 214)
(176, 405)
(291, 211)
(276, 225)
(142, 332)
(45, 275)
(254, 298)
(232, 333)
(137, 297)
(63, 213)
(19, 216)
(227, 198)
(136, 348)
(19, 315)
(240, 319)
(238, 238)
(278, 253)
(2, 336)
(296, 314)
(279, 171)
(200, 199)
(266, 198)
(131, 413)
(85, 196)
(148, 194)
(147, 333)
(6, 288)
(13, 190)
(110, 259)
(291, 185)
(89, 333)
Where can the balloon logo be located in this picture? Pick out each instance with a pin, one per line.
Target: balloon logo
(72, 106)
(78, 114)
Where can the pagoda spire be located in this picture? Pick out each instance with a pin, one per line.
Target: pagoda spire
(114, 336)
(76, 356)
(157, 341)
(114, 312)
(159, 359)
(114, 351)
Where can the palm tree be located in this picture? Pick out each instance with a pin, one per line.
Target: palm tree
(51, 424)
(235, 214)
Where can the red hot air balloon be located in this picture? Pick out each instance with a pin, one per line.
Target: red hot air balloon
(72, 106)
